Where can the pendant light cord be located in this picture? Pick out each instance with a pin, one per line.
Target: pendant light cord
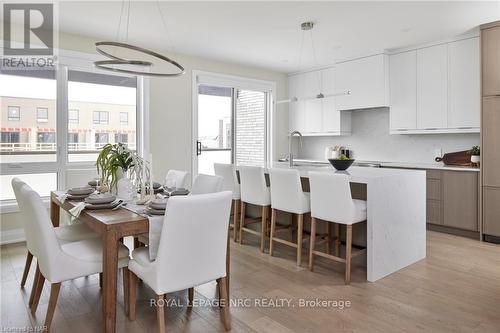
(320, 79)
(165, 27)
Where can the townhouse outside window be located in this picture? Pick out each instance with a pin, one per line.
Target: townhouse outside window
(14, 113)
(73, 116)
(123, 118)
(10, 137)
(42, 115)
(101, 117)
(101, 139)
(121, 138)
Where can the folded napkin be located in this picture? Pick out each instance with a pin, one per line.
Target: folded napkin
(61, 196)
(75, 211)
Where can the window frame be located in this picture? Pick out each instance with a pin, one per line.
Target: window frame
(42, 120)
(100, 118)
(9, 117)
(73, 60)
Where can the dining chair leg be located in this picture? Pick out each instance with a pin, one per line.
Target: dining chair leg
(328, 237)
(348, 248)
(33, 287)
(54, 293)
(38, 292)
(236, 219)
(263, 228)
(27, 265)
(300, 227)
(190, 296)
(160, 313)
(337, 239)
(126, 289)
(312, 243)
(132, 294)
(224, 301)
(273, 229)
(242, 221)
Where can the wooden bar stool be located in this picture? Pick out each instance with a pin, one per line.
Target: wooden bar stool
(331, 201)
(287, 196)
(230, 183)
(254, 191)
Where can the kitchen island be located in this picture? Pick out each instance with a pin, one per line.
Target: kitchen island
(396, 214)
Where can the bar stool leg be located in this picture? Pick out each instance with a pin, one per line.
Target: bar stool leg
(263, 228)
(348, 246)
(242, 221)
(328, 237)
(273, 228)
(312, 243)
(337, 239)
(300, 227)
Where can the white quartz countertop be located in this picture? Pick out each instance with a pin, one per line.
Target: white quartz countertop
(356, 174)
(403, 165)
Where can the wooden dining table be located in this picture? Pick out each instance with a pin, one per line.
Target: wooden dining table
(112, 225)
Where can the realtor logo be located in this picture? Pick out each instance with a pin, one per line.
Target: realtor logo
(35, 30)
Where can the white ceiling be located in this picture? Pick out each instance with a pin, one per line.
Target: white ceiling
(267, 34)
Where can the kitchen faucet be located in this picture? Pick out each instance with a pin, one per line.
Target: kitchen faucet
(290, 137)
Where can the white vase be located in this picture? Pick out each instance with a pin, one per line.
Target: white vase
(475, 158)
(125, 189)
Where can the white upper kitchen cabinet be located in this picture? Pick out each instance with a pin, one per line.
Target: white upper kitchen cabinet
(313, 108)
(296, 109)
(432, 87)
(464, 92)
(368, 81)
(403, 92)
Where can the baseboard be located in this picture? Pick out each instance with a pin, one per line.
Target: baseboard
(453, 231)
(12, 236)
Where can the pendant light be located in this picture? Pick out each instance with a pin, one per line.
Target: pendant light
(307, 27)
(110, 64)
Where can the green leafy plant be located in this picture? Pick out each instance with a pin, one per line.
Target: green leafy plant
(475, 151)
(114, 157)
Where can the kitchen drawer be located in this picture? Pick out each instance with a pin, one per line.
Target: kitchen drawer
(491, 211)
(433, 174)
(434, 212)
(434, 189)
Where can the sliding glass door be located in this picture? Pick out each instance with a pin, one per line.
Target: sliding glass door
(231, 126)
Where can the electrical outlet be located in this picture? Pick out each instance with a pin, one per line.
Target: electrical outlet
(438, 152)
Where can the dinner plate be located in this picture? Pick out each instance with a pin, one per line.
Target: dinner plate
(157, 206)
(152, 211)
(100, 198)
(76, 191)
(108, 205)
(179, 191)
(77, 197)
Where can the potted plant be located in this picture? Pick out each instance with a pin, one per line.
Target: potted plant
(475, 153)
(116, 163)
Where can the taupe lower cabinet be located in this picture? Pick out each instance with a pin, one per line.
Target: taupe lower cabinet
(452, 199)
(491, 211)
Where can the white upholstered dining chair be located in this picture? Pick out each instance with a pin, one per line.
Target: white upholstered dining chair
(204, 184)
(68, 233)
(177, 177)
(331, 201)
(58, 262)
(203, 220)
(230, 183)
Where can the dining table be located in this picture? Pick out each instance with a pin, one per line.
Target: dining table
(112, 225)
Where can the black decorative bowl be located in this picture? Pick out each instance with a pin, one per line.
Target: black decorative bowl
(341, 164)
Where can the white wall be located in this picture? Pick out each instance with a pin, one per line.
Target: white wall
(170, 110)
(370, 140)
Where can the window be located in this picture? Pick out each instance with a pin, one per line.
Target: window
(72, 137)
(29, 148)
(101, 117)
(73, 116)
(10, 137)
(14, 113)
(121, 137)
(42, 115)
(101, 139)
(46, 138)
(123, 118)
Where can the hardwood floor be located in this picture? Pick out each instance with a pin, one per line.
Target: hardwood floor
(456, 289)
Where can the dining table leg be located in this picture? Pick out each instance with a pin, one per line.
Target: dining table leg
(54, 213)
(110, 269)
